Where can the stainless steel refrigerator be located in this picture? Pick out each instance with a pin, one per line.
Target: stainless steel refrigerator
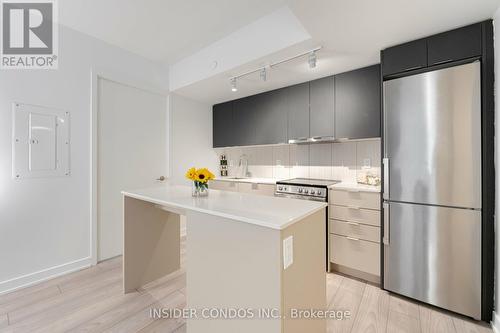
(432, 188)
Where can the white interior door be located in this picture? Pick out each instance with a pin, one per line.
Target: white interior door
(132, 150)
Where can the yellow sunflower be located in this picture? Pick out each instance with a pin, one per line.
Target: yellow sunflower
(203, 175)
(191, 174)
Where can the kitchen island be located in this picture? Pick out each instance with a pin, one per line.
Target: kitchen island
(264, 255)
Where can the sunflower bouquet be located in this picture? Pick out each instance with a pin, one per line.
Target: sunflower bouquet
(200, 178)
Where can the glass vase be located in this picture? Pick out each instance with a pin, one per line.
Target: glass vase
(199, 189)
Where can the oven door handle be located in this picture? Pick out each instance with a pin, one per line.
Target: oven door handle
(297, 196)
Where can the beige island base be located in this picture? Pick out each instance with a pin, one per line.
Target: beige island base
(236, 256)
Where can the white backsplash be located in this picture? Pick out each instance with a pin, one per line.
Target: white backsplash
(341, 161)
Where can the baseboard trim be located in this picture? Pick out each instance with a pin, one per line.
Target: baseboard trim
(495, 323)
(43, 275)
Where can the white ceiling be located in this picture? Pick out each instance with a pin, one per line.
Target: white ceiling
(352, 32)
(162, 30)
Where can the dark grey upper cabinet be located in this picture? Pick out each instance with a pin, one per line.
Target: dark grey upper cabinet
(458, 44)
(321, 106)
(222, 116)
(271, 117)
(454, 45)
(404, 57)
(298, 111)
(357, 103)
(244, 115)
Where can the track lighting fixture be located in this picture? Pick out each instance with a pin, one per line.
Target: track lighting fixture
(263, 74)
(312, 59)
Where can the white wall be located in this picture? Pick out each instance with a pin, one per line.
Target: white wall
(190, 138)
(496, 313)
(45, 223)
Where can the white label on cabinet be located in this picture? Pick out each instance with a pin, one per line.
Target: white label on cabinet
(287, 252)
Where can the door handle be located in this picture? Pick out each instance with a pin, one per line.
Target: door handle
(385, 162)
(386, 237)
(162, 178)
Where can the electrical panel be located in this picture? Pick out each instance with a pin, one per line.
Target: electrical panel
(41, 142)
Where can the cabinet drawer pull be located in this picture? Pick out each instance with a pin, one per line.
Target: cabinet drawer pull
(321, 139)
(352, 238)
(298, 140)
(353, 207)
(442, 61)
(353, 191)
(353, 223)
(411, 68)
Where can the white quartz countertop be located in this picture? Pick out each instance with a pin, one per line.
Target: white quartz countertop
(249, 180)
(355, 187)
(271, 212)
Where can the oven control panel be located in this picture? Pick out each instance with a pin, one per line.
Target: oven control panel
(305, 191)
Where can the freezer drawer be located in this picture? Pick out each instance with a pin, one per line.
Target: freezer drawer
(434, 255)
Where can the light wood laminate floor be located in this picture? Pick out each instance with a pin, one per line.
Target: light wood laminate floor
(91, 300)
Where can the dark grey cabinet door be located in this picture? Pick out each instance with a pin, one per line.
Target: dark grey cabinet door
(454, 45)
(271, 117)
(244, 115)
(357, 103)
(298, 111)
(404, 57)
(222, 117)
(322, 107)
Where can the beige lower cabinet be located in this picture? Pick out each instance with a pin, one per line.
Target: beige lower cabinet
(354, 233)
(355, 199)
(243, 187)
(355, 253)
(262, 189)
(223, 185)
(355, 230)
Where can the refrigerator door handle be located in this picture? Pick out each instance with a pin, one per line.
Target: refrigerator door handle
(386, 237)
(385, 162)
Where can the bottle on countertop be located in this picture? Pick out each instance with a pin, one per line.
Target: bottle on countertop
(223, 165)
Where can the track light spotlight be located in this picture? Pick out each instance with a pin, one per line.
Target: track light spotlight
(312, 59)
(233, 85)
(263, 74)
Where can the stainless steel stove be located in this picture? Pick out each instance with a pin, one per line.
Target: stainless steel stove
(308, 189)
(304, 188)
